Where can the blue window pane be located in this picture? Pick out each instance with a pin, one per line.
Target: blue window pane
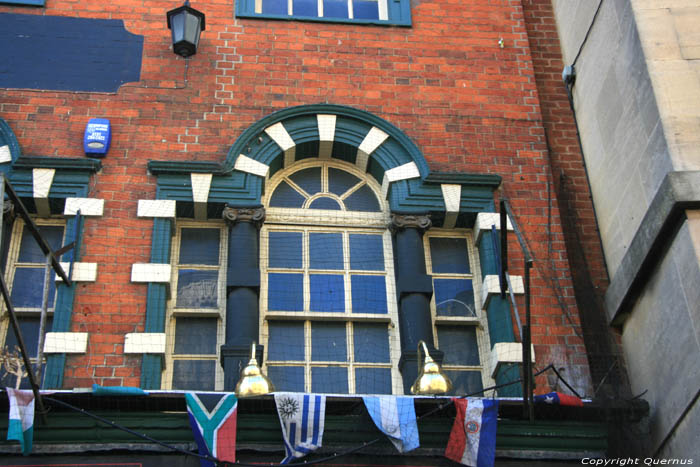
(371, 343)
(285, 292)
(373, 381)
(368, 294)
(199, 246)
(329, 380)
(29, 327)
(365, 9)
(286, 197)
(459, 345)
(287, 378)
(28, 288)
(366, 252)
(465, 382)
(454, 297)
(305, 7)
(274, 7)
(197, 289)
(325, 251)
(195, 336)
(335, 8)
(285, 250)
(328, 342)
(339, 181)
(325, 203)
(362, 199)
(449, 255)
(194, 374)
(327, 293)
(29, 251)
(308, 180)
(285, 341)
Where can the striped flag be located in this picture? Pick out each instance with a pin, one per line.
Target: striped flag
(473, 438)
(395, 416)
(302, 417)
(21, 423)
(213, 421)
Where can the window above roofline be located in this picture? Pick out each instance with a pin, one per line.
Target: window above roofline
(390, 12)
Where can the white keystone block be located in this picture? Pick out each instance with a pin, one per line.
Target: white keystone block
(279, 135)
(5, 154)
(156, 208)
(402, 172)
(150, 272)
(326, 127)
(372, 141)
(82, 272)
(42, 179)
(86, 206)
(484, 221)
(200, 187)
(492, 287)
(144, 342)
(508, 352)
(66, 342)
(251, 166)
(451, 195)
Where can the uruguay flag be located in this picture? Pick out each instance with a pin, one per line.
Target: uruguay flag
(395, 416)
(21, 423)
(213, 421)
(302, 417)
(473, 437)
(558, 398)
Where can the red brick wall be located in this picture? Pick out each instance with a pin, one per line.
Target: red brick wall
(467, 103)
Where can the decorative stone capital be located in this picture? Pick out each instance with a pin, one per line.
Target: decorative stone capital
(8, 211)
(421, 222)
(234, 215)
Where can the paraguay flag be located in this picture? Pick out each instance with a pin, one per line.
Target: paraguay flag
(473, 438)
(302, 417)
(21, 423)
(558, 398)
(213, 422)
(395, 416)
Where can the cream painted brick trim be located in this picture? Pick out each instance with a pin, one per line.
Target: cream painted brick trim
(66, 342)
(279, 135)
(42, 179)
(451, 195)
(200, 186)
(372, 141)
(484, 221)
(87, 206)
(156, 208)
(144, 342)
(508, 352)
(5, 154)
(150, 272)
(289, 156)
(326, 127)
(251, 166)
(491, 288)
(82, 272)
(402, 172)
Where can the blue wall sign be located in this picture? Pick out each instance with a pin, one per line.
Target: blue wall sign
(98, 135)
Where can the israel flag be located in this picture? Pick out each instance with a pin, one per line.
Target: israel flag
(302, 417)
(395, 416)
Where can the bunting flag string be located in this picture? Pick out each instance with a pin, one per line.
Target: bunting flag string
(213, 421)
(472, 440)
(302, 417)
(395, 416)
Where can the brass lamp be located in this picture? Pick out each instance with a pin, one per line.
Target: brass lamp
(431, 379)
(253, 382)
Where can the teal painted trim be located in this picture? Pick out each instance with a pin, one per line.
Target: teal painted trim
(7, 137)
(25, 2)
(58, 163)
(462, 178)
(156, 302)
(399, 12)
(500, 322)
(151, 370)
(53, 372)
(183, 168)
(507, 373)
(487, 256)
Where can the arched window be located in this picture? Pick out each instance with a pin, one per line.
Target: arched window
(328, 300)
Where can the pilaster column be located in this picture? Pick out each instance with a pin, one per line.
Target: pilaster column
(242, 290)
(415, 288)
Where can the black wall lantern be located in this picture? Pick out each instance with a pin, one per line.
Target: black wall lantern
(186, 24)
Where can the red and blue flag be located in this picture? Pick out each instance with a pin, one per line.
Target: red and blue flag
(213, 421)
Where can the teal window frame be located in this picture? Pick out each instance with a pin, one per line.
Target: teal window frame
(40, 3)
(398, 12)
